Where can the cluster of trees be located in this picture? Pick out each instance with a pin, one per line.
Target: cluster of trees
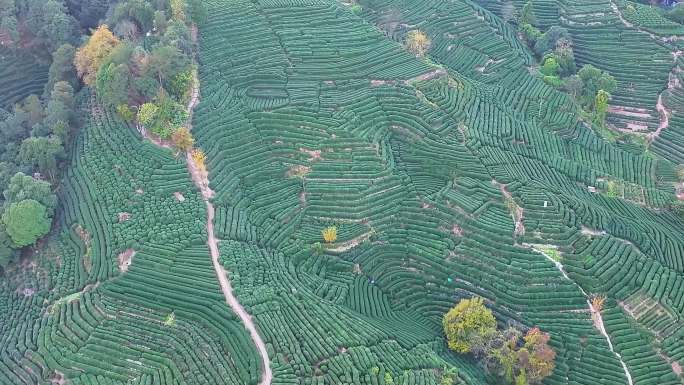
(35, 136)
(470, 328)
(36, 133)
(589, 86)
(142, 66)
(27, 212)
(37, 26)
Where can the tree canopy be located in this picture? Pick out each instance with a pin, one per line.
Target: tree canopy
(22, 187)
(26, 221)
(467, 324)
(470, 327)
(417, 42)
(91, 55)
(42, 154)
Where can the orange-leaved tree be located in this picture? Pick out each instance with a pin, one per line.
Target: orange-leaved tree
(182, 139)
(536, 357)
(93, 53)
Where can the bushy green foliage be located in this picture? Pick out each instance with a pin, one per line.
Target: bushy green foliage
(527, 15)
(180, 84)
(547, 41)
(565, 57)
(471, 328)
(22, 187)
(113, 84)
(163, 117)
(593, 80)
(125, 112)
(42, 154)
(61, 105)
(26, 221)
(449, 376)
(467, 324)
(62, 68)
(7, 253)
(550, 66)
(530, 32)
(601, 107)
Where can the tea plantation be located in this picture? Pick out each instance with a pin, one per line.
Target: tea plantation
(461, 173)
(19, 78)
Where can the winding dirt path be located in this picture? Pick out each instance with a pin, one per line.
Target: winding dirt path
(595, 316)
(626, 23)
(231, 300)
(672, 83)
(200, 178)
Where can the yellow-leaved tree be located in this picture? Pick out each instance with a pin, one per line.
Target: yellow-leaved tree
(467, 324)
(417, 42)
(199, 158)
(329, 234)
(91, 55)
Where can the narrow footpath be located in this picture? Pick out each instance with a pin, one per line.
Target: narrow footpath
(200, 178)
(595, 316)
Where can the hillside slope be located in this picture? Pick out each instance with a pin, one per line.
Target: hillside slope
(449, 176)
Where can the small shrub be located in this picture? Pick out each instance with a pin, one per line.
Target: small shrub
(389, 379)
(199, 158)
(125, 112)
(147, 114)
(182, 139)
(329, 234)
(317, 248)
(170, 319)
(449, 376)
(597, 302)
(612, 189)
(417, 42)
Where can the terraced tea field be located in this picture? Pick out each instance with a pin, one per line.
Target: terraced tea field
(458, 174)
(19, 78)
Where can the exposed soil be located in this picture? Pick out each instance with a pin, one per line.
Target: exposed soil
(517, 212)
(125, 259)
(379, 82)
(427, 76)
(631, 112)
(673, 82)
(179, 197)
(58, 378)
(124, 216)
(314, 154)
(350, 244)
(592, 232)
